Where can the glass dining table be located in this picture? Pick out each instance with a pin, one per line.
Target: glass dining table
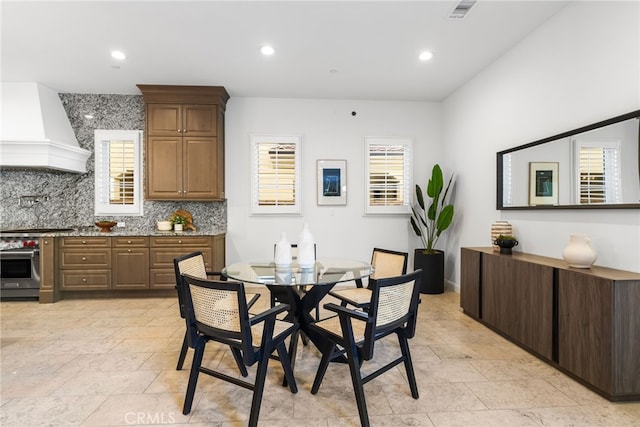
(301, 288)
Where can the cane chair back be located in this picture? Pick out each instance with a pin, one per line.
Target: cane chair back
(386, 263)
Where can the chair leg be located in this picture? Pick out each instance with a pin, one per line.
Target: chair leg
(293, 351)
(183, 353)
(193, 376)
(258, 388)
(356, 378)
(408, 364)
(287, 366)
(237, 355)
(327, 355)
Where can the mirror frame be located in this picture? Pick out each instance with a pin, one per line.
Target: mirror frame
(499, 170)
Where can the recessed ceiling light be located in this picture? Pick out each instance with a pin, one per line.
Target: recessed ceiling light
(425, 56)
(116, 54)
(88, 116)
(267, 50)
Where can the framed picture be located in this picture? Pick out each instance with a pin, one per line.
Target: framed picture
(332, 182)
(543, 183)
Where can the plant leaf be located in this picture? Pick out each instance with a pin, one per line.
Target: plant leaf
(416, 229)
(445, 218)
(434, 187)
(419, 196)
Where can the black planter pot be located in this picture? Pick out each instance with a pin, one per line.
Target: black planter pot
(432, 265)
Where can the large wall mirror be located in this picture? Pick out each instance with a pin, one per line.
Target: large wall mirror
(593, 167)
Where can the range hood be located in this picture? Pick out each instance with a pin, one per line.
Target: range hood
(35, 130)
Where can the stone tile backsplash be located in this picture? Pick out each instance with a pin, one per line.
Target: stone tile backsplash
(67, 199)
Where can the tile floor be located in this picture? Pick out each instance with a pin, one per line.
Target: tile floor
(112, 363)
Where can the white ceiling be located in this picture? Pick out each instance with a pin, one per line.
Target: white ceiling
(372, 46)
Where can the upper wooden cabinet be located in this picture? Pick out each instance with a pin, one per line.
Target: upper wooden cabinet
(184, 142)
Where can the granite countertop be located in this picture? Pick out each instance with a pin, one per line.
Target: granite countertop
(152, 232)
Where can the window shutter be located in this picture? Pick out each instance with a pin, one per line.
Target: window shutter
(599, 171)
(276, 176)
(388, 175)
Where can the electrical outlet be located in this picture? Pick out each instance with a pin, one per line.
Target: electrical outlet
(120, 224)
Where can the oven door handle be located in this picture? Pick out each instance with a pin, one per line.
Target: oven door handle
(20, 254)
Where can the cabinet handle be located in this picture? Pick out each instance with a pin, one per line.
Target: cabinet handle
(84, 242)
(129, 250)
(180, 241)
(84, 258)
(129, 241)
(46, 242)
(84, 279)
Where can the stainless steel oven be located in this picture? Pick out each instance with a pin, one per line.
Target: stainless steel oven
(20, 262)
(20, 272)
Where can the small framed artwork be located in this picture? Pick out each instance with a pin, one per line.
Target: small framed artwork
(332, 182)
(543, 183)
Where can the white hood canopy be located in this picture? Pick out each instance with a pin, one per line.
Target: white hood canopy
(35, 130)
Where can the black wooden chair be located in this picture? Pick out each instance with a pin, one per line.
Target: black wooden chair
(194, 265)
(217, 310)
(386, 263)
(352, 333)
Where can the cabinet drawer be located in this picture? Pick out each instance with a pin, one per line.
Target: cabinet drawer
(163, 257)
(82, 280)
(92, 258)
(125, 242)
(162, 278)
(174, 241)
(87, 241)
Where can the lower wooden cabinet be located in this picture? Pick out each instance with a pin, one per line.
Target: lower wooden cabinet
(130, 257)
(582, 321)
(121, 263)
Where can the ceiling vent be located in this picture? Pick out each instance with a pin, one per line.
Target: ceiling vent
(461, 9)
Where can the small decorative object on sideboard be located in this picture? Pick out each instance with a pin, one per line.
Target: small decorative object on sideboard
(579, 253)
(506, 242)
(498, 228)
(178, 222)
(105, 226)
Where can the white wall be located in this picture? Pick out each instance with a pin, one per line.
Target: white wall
(580, 67)
(329, 131)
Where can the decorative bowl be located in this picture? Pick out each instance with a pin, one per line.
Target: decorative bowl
(164, 225)
(105, 226)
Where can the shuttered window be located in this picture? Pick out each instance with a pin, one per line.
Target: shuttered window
(507, 180)
(275, 164)
(118, 178)
(387, 175)
(598, 172)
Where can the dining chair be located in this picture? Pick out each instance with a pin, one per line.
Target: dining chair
(352, 333)
(386, 263)
(216, 310)
(194, 265)
(281, 296)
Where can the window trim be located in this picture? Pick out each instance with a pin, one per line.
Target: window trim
(255, 141)
(405, 208)
(102, 136)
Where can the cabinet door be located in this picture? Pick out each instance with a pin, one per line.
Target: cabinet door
(200, 172)
(164, 168)
(130, 268)
(199, 120)
(517, 299)
(470, 282)
(584, 327)
(164, 119)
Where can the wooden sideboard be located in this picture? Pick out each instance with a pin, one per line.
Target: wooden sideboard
(585, 322)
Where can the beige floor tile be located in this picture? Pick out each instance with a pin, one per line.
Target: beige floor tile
(108, 362)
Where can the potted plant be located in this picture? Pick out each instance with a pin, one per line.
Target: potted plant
(178, 222)
(506, 242)
(428, 222)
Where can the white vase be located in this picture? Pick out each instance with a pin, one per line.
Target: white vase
(177, 227)
(306, 252)
(498, 228)
(282, 256)
(579, 253)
